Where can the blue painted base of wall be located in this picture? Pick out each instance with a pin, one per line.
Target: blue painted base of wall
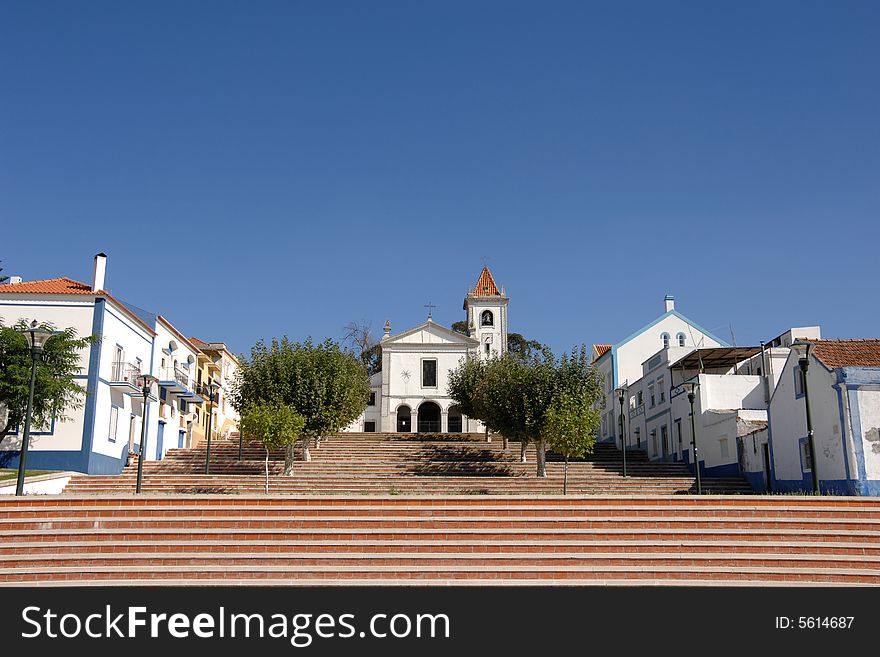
(46, 460)
(74, 461)
(827, 486)
(756, 481)
(726, 470)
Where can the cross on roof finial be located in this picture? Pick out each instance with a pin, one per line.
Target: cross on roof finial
(485, 260)
(430, 306)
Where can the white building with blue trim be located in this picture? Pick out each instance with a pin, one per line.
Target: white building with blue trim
(624, 361)
(843, 378)
(101, 434)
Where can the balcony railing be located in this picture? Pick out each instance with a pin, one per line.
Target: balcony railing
(125, 373)
(177, 374)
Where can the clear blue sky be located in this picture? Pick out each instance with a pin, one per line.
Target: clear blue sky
(265, 168)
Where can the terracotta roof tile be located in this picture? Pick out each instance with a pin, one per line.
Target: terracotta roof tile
(66, 286)
(847, 353)
(47, 286)
(601, 349)
(486, 285)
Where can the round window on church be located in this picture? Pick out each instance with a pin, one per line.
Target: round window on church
(486, 319)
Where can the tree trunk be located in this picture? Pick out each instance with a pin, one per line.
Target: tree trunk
(522, 451)
(288, 459)
(307, 454)
(541, 470)
(565, 477)
(267, 470)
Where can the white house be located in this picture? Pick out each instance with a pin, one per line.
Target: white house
(843, 385)
(98, 437)
(410, 393)
(625, 361)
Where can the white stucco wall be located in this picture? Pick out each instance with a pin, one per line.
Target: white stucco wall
(869, 418)
(788, 424)
(63, 312)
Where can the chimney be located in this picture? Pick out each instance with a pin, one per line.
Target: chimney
(669, 302)
(100, 272)
(386, 330)
(13, 280)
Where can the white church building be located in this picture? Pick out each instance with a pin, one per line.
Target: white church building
(410, 394)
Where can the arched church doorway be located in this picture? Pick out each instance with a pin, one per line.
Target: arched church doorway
(429, 418)
(404, 415)
(454, 420)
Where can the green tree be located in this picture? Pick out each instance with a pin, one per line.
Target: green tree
(514, 396)
(571, 428)
(56, 390)
(327, 386)
(274, 425)
(520, 346)
(460, 327)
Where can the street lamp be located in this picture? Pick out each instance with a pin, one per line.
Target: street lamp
(690, 388)
(212, 389)
(621, 394)
(145, 381)
(37, 337)
(803, 348)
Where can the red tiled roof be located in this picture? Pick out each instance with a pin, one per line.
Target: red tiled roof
(197, 342)
(66, 285)
(847, 353)
(47, 286)
(486, 285)
(601, 349)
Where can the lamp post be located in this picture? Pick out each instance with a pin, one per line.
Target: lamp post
(803, 348)
(621, 394)
(145, 381)
(37, 337)
(211, 388)
(690, 388)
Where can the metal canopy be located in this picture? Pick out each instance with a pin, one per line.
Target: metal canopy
(715, 357)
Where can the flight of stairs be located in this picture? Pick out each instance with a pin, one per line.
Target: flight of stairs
(468, 540)
(382, 464)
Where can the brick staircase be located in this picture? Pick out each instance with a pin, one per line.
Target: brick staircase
(470, 540)
(406, 464)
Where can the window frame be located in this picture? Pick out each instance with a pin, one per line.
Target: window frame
(113, 429)
(424, 361)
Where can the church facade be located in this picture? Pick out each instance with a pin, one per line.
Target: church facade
(409, 394)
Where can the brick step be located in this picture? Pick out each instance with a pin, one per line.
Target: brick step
(417, 560)
(117, 536)
(146, 548)
(436, 524)
(287, 508)
(289, 574)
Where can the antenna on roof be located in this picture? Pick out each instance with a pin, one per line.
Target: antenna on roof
(732, 335)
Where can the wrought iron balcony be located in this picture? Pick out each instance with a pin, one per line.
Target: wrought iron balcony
(125, 373)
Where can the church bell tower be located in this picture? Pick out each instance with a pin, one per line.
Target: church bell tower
(486, 309)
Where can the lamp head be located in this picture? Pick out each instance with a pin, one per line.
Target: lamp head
(37, 336)
(802, 348)
(690, 387)
(146, 381)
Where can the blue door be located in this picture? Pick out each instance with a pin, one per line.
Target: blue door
(160, 440)
(180, 438)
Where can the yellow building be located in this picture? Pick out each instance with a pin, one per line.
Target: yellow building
(217, 366)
